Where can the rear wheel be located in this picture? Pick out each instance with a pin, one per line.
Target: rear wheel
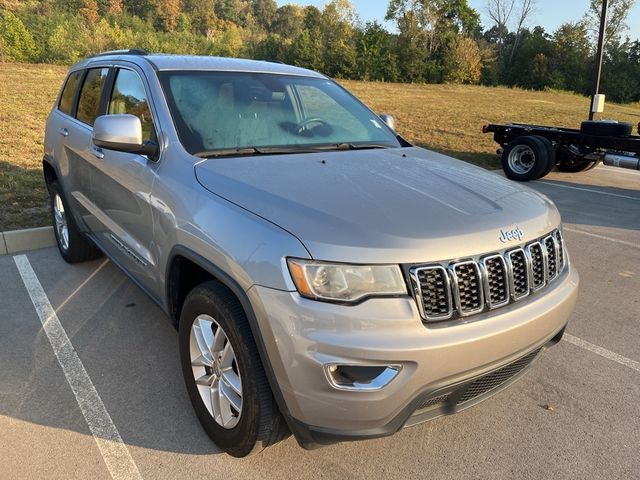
(551, 152)
(223, 373)
(525, 158)
(72, 244)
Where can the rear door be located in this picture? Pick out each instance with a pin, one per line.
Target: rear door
(121, 183)
(75, 154)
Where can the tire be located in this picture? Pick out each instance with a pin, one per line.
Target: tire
(603, 129)
(525, 158)
(551, 152)
(74, 247)
(211, 310)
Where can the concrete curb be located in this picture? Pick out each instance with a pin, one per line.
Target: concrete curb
(29, 239)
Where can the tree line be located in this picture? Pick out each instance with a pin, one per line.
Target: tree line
(434, 41)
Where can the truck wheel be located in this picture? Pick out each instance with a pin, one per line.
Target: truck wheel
(551, 151)
(605, 129)
(525, 158)
(74, 247)
(223, 373)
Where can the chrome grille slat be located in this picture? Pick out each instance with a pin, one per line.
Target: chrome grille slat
(496, 280)
(560, 244)
(468, 287)
(434, 290)
(519, 273)
(552, 255)
(538, 258)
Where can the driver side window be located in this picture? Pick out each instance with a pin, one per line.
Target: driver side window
(129, 96)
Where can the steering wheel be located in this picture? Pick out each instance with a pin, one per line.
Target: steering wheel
(304, 125)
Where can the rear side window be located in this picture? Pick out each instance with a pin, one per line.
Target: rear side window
(129, 96)
(69, 92)
(89, 103)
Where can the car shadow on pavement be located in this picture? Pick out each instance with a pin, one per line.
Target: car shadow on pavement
(126, 343)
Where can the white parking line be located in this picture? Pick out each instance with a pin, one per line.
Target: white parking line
(592, 190)
(602, 237)
(114, 452)
(603, 352)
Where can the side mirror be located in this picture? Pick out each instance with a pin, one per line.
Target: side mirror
(389, 121)
(122, 133)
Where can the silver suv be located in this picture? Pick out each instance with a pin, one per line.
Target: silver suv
(326, 277)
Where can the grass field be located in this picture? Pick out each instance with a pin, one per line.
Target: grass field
(447, 118)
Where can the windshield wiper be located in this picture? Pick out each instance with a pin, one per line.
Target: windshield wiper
(248, 151)
(353, 146)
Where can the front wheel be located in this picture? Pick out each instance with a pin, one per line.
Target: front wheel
(223, 373)
(526, 158)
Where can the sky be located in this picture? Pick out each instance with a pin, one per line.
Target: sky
(549, 13)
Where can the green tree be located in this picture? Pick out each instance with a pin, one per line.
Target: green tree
(617, 14)
(264, 12)
(16, 43)
(463, 62)
(621, 72)
(338, 38)
(289, 21)
(376, 57)
(572, 57)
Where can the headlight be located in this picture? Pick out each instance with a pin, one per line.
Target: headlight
(339, 282)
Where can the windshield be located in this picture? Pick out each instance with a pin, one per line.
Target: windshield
(227, 111)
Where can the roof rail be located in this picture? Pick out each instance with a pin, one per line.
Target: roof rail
(131, 51)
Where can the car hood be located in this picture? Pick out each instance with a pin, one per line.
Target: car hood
(406, 205)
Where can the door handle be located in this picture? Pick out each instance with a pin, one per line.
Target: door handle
(97, 152)
(64, 132)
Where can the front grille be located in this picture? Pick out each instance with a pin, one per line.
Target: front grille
(471, 286)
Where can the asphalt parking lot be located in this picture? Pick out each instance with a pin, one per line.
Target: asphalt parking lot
(575, 414)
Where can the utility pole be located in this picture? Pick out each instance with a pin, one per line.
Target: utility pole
(599, 56)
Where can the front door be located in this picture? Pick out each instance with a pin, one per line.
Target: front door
(121, 186)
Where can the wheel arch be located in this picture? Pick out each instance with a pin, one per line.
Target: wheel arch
(49, 170)
(180, 254)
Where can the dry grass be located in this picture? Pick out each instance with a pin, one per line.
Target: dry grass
(447, 118)
(26, 95)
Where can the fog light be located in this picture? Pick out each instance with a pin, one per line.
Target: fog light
(360, 377)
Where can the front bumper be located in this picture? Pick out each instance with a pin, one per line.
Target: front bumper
(301, 336)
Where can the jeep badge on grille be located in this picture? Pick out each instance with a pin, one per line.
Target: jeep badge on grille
(511, 235)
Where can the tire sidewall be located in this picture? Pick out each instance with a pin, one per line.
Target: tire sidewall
(240, 440)
(55, 189)
(540, 166)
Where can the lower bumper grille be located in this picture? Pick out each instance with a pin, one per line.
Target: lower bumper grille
(473, 389)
